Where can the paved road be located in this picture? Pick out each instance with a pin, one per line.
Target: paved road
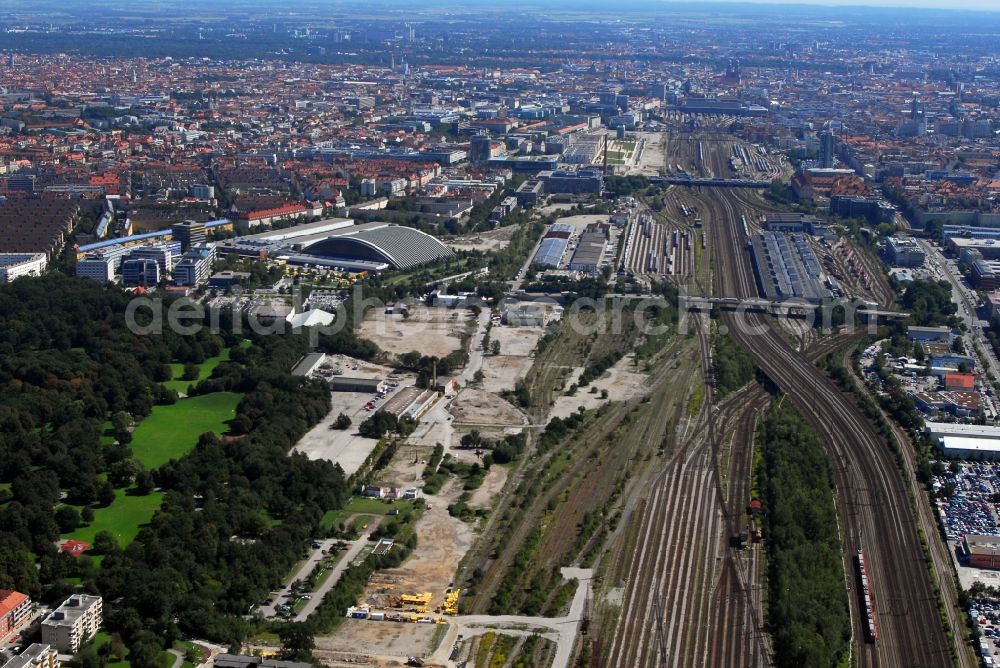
(178, 658)
(515, 285)
(561, 630)
(476, 352)
(315, 557)
(966, 301)
(345, 561)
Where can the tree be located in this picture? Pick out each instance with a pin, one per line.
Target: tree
(342, 422)
(104, 543)
(120, 420)
(495, 347)
(297, 642)
(241, 424)
(191, 372)
(145, 651)
(124, 471)
(67, 518)
(105, 494)
(87, 514)
(144, 483)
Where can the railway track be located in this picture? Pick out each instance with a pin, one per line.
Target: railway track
(689, 598)
(873, 505)
(692, 600)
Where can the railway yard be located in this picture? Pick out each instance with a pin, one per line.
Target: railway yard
(687, 517)
(647, 474)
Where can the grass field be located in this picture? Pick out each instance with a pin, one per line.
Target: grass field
(122, 518)
(204, 371)
(362, 506)
(172, 431)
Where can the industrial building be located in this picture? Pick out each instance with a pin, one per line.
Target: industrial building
(550, 252)
(529, 192)
(982, 551)
(337, 242)
(589, 251)
(362, 385)
(786, 267)
(871, 209)
(308, 364)
(965, 441)
(791, 222)
(15, 265)
(988, 248)
(725, 106)
(904, 252)
(72, 624)
(926, 334)
(986, 274)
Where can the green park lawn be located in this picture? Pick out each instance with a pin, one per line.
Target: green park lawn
(122, 518)
(204, 371)
(172, 431)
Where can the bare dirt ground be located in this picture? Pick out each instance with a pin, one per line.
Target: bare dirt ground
(622, 381)
(478, 407)
(552, 208)
(492, 484)
(519, 341)
(503, 371)
(651, 158)
(407, 467)
(492, 240)
(374, 643)
(428, 331)
(442, 541)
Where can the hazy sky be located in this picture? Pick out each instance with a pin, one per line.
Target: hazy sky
(991, 5)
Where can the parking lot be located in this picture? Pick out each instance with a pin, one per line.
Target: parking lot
(346, 447)
(972, 507)
(987, 615)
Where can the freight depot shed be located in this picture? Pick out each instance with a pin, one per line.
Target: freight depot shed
(786, 267)
(361, 385)
(965, 441)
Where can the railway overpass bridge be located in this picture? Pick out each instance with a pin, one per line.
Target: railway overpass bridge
(695, 181)
(782, 307)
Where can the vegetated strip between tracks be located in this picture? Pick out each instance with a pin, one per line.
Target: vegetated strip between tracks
(873, 506)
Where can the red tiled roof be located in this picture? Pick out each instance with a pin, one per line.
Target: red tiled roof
(9, 600)
(74, 547)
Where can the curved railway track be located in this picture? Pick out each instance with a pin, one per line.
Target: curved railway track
(690, 600)
(873, 504)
